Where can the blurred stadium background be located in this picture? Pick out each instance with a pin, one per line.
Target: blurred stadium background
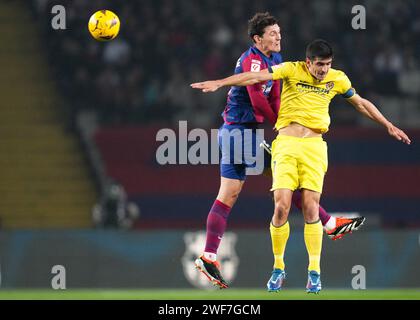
(79, 181)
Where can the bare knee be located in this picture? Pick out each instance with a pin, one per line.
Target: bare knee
(281, 212)
(228, 197)
(229, 191)
(310, 208)
(282, 203)
(310, 205)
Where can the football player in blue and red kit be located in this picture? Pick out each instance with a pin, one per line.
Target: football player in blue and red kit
(246, 108)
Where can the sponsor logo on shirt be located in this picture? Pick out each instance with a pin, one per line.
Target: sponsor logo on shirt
(266, 88)
(306, 88)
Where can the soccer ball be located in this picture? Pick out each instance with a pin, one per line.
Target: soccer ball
(104, 25)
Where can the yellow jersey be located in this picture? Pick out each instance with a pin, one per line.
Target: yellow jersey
(304, 99)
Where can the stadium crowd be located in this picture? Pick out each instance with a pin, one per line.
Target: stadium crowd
(163, 45)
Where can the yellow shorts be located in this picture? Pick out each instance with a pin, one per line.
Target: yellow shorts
(299, 163)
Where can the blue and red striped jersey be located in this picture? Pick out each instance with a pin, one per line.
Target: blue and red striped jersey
(252, 104)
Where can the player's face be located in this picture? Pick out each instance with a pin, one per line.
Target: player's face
(319, 67)
(270, 40)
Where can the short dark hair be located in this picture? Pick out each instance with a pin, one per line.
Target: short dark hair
(319, 49)
(259, 22)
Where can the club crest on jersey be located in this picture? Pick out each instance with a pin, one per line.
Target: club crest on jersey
(329, 85)
(226, 255)
(255, 67)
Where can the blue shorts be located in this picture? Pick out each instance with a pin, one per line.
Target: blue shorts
(241, 154)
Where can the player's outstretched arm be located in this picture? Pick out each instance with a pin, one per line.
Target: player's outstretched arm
(367, 108)
(240, 79)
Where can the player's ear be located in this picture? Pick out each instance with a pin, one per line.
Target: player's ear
(256, 38)
(308, 62)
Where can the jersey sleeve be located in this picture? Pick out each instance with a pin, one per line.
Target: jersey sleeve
(259, 102)
(283, 70)
(345, 88)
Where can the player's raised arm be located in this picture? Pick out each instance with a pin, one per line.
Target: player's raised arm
(240, 79)
(367, 108)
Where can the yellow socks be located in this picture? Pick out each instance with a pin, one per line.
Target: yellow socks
(279, 236)
(313, 241)
(313, 234)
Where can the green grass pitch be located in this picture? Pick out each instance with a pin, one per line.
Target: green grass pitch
(195, 294)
